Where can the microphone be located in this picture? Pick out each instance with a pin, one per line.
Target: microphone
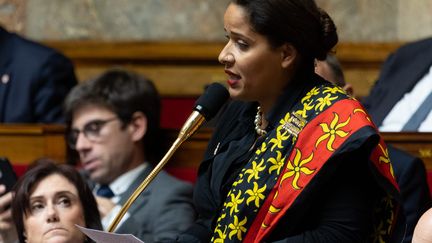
(205, 108)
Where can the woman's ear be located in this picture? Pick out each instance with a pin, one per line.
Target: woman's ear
(138, 126)
(288, 55)
(349, 89)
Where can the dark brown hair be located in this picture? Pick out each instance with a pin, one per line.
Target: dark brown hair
(298, 22)
(41, 170)
(124, 93)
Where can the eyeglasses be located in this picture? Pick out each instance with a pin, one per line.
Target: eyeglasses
(91, 131)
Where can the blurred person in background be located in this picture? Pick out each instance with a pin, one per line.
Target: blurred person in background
(49, 201)
(410, 171)
(113, 125)
(34, 80)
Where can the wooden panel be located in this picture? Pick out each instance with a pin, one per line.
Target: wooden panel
(417, 144)
(361, 80)
(191, 152)
(139, 51)
(170, 80)
(24, 143)
(369, 54)
(183, 68)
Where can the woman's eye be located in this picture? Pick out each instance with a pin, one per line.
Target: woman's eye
(36, 207)
(64, 201)
(242, 45)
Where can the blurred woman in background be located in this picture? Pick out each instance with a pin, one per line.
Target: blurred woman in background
(49, 201)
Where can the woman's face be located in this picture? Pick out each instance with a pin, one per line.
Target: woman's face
(55, 208)
(256, 71)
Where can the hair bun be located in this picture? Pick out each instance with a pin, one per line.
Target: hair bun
(329, 35)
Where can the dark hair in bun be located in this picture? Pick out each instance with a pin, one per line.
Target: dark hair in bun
(299, 22)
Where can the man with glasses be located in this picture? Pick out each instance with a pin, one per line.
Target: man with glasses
(113, 125)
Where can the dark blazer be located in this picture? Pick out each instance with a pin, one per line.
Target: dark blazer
(410, 174)
(34, 80)
(399, 74)
(161, 212)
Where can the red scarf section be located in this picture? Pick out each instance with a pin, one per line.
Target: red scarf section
(315, 145)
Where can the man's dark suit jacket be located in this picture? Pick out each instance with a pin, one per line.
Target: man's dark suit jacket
(399, 74)
(410, 175)
(34, 80)
(161, 212)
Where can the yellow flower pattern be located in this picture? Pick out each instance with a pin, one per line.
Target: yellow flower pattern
(262, 149)
(362, 111)
(248, 191)
(240, 180)
(313, 92)
(280, 137)
(255, 170)
(235, 201)
(333, 90)
(237, 228)
(306, 107)
(385, 158)
(324, 102)
(277, 163)
(297, 167)
(221, 236)
(284, 120)
(256, 194)
(331, 131)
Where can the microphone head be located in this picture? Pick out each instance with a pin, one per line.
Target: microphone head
(209, 103)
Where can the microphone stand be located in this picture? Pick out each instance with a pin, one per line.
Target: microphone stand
(191, 125)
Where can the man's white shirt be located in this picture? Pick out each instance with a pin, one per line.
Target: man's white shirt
(408, 105)
(119, 186)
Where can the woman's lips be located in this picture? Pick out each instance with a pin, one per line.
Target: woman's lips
(56, 231)
(232, 78)
(231, 82)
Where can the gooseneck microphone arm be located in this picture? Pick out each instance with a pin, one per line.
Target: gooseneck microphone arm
(205, 108)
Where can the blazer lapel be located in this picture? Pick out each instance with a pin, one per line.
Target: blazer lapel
(414, 70)
(402, 79)
(5, 75)
(125, 196)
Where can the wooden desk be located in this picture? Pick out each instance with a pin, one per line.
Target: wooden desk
(191, 152)
(417, 144)
(24, 143)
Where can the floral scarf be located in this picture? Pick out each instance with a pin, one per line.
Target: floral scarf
(287, 160)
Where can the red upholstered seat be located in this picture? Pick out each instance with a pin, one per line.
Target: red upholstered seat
(429, 179)
(175, 111)
(19, 169)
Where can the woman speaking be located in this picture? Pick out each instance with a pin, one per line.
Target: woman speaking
(293, 158)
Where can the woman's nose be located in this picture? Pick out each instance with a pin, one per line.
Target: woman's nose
(225, 57)
(52, 214)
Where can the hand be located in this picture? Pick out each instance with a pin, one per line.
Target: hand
(7, 226)
(105, 205)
